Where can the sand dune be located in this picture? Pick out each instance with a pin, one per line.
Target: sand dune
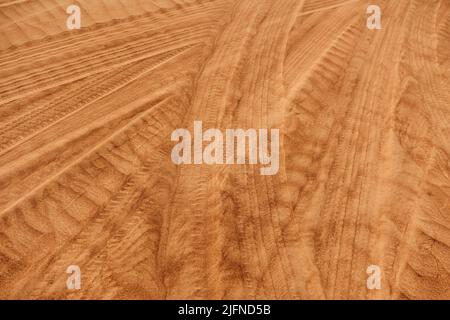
(86, 176)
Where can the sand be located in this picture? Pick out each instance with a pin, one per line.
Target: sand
(86, 176)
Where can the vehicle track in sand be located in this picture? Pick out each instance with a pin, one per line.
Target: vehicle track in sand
(86, 176)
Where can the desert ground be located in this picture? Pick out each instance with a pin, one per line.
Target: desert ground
(86, 176)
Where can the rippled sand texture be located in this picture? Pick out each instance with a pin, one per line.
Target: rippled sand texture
(86, 176)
